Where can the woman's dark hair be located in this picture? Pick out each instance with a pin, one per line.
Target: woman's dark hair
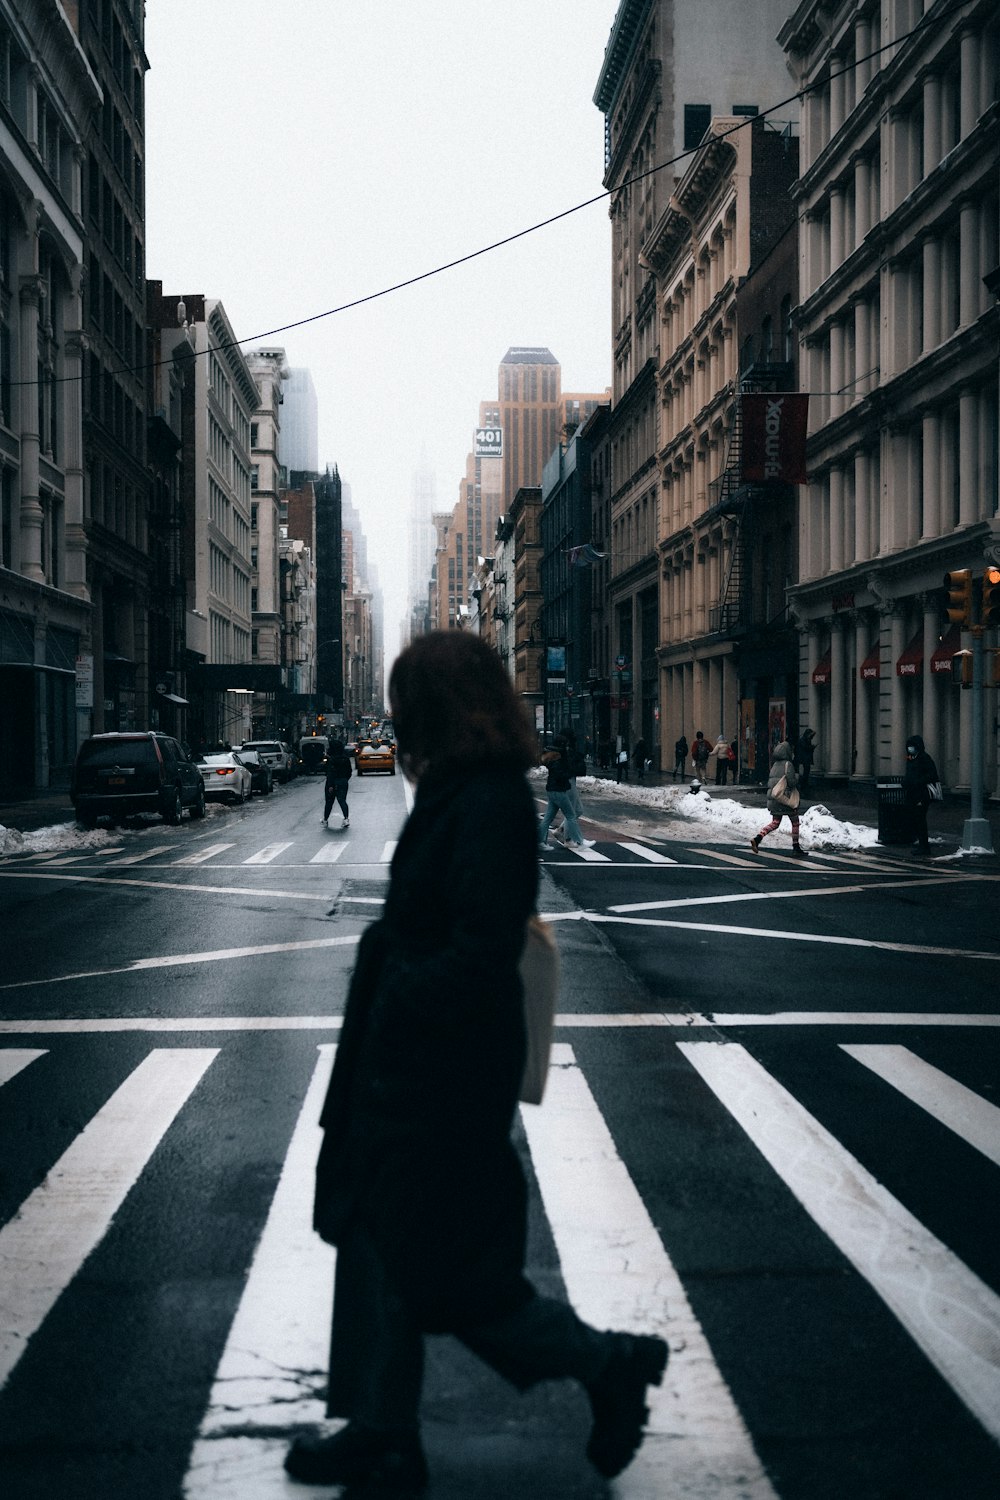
(453, 703)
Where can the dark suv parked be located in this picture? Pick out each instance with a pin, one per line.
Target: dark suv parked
(116, 775)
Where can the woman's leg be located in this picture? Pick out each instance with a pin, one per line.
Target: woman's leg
(545, 1340)
(327, 801)
(759, 838)
(342, 798)
(551, 808)
(571, 826)
(376, 1373)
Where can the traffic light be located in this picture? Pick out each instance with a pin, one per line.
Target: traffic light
(991, 597)
(959, 607)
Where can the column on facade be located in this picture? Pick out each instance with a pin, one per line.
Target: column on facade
(863, 767)
(968, 457)
(931, 477)
(31, 505)
(840, 691)
(837, 94)
(837, 377)
(931, 257)
(898, 729)
(813, 655)
(837, 245)
(862, 198)
(932, 122)
(968, 277)
(836, 482)
(862, 508)
(862, 47)
(913, 517)
(969, 94)
(930, 708)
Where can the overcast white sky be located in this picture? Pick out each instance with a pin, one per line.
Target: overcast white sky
(304, 153)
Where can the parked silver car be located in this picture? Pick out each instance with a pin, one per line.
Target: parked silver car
(274, 754)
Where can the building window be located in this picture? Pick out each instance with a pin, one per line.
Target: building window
(253, 518)
(697, 118)
(254, 476)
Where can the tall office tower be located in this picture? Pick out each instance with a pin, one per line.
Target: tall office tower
(114, 415)
(299, 423)
(529, 400)
(313, 507)
(421, 536)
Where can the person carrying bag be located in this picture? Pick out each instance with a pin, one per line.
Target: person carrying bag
(782, 798)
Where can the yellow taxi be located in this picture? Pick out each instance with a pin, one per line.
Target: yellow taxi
(376, 757)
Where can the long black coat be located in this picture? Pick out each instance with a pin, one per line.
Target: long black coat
(417, 1120)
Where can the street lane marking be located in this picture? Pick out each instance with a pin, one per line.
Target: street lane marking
(14, 1059)
(388, 851)
(744, 863)
(329, 854)
(273, 1370)
(169, 885)
(794, 937)
(270, 851)
(590, 856)
(565, 1020)
(644, 852)
(206, 854)
(69, 1213)
(952, 1315)
(618, 1275)
(137, 859)
(963, 1111)
(220, 955)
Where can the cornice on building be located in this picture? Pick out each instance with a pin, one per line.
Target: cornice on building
(625, 31)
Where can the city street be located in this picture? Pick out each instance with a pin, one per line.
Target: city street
(772, 1132)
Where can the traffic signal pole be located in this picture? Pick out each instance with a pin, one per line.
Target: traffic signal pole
(962, 611)
(976, 833)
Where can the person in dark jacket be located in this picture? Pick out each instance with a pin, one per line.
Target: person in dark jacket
(338, 774)
(419, 1184)
(680, 756)
(559, 790)
(639, 758)
(917, 778)
(782, 767)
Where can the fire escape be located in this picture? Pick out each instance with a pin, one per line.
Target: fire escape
(739, 501)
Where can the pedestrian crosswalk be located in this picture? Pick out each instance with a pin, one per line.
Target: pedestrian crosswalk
(635, 852)
(624, 1253)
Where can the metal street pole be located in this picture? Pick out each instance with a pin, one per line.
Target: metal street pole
(976, 833)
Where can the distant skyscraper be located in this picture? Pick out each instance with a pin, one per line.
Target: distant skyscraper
(422, 536)
(299, 423)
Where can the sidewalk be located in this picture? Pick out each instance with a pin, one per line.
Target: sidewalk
(848, 803)
(851, 804)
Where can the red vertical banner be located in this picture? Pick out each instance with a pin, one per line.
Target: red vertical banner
(773, 442)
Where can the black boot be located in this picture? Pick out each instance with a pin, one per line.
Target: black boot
(618, 1400)
(358, 1455)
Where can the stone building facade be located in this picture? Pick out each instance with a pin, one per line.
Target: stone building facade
(898, 226)
(50, 685)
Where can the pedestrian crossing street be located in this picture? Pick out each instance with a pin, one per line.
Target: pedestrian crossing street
(620, 852)
(615, 1251)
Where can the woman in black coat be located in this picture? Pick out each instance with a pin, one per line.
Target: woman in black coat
(418, 1182)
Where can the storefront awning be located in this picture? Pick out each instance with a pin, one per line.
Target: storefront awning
(912, 659)
(173, 698)
(821, 671)
(949, 643)
(871, 668)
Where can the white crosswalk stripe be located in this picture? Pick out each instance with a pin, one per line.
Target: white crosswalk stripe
(953, 1316)
(328, 855)
(616, 1264)
(204, 856)
(618, 1275)
(42, 1249)
(267, 854)
(970, 1116)
(653, 856)
(273, 1368)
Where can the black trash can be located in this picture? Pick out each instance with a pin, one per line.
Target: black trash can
(893, 813)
